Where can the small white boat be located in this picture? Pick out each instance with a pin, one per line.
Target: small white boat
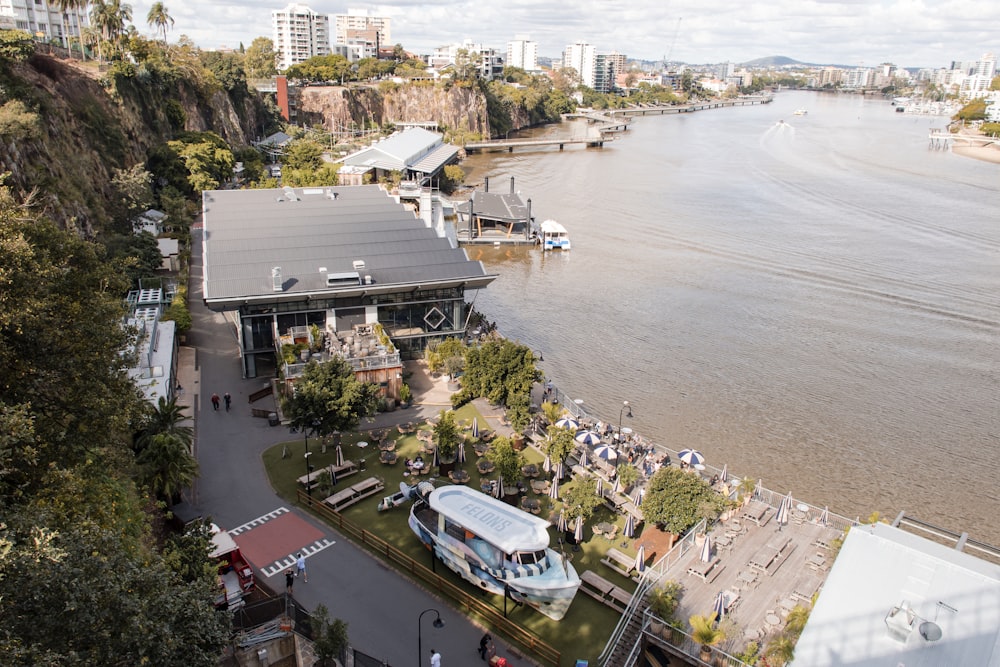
(554, 236)
(800, 112)
(495, 546)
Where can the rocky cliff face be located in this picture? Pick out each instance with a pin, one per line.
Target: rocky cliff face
(335, 107)
(86, 132)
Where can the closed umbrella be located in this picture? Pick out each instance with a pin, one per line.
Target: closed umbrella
(554, 489)
(629, 529)
(578, 533)
(559, 472)
(719, 606)
(562, 525)
(640, 560)
(824, 518)
(583, 458)
(588, 438)
(339, 456)
(692, 457)
(637, 497)
(475, 427)
(606, 452)
(759, 489)
(498, 488)
(600, 487)
(568, 423)
(461, 452)
(706, 550)
(617, 488)
(724, 475)
(781, 518)
(436, 461)
(547, 463)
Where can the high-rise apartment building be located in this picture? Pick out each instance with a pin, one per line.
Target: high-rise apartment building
(299, 34)
(523, 53)
(581, 56)
(42, 18)
(362, 24)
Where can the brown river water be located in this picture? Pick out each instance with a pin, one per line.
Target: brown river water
(813, 300)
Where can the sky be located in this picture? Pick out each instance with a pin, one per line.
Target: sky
(908, 33)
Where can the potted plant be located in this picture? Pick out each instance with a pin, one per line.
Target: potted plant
(404, 396)
(446, 440)
(663, 603)
(704, 632)
(628, 475)
(508, 463)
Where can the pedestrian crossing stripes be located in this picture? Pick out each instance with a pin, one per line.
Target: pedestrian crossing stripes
(259, 521)
(288, 561)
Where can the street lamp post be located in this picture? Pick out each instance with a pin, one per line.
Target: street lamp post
(305, 434)
(621, 413)
(438, 623)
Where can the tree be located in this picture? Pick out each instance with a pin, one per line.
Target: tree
(329, 639)
(167, 465)
(16, 45)
(581, 498)
(166, 417)
(159, 18)
(133, 188)
(135, 256)
(328, 398)
(506, 459)
(446, 435)
(703, 630)
(111, 17)
(187, 553)
(780, 650)
(438, 354)
(452, 178)
(674, 497)
(497, 370)
(561, 443)
(303, 154)
(260, 59)
(65, 7)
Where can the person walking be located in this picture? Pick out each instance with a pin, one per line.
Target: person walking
(289, 580)
(435, 658)
(228, 399)
(300, 567)
(215, 402)
(486, 650)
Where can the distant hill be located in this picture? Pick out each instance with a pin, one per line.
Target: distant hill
(772, 61)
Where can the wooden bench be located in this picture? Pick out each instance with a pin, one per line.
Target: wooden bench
(707, 572)
(352, 494)
(619, 562)
(349, 468)
(604, 591)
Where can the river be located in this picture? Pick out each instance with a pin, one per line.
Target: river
(812, 299)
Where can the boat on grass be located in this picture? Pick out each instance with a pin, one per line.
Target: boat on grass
(495, 546)
(554, 236)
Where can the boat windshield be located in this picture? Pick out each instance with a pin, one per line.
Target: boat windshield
(528, 557)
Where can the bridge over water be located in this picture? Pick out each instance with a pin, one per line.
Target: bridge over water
(945, 139)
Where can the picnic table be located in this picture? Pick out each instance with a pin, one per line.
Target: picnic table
(758, 512)
(707, 572)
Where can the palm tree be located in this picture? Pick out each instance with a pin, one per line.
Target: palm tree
(65, 6)
(704, 632)
(167, 465)
(780, 650)
(160, 19)
(112, 17)
(166, 417)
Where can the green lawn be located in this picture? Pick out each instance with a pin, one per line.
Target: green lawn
(585, 629)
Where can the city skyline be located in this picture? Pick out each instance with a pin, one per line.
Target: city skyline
(836, 32)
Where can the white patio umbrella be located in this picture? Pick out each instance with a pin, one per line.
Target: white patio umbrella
(588, 438)
(562, 524)
(640, 560)
(461, 452)
(475, 427)
(781, 518)
(719, 606)
(578, 533)
(583, 458)
(617, 488)
(339, 456)
(568, 423)
(436, 461)
(498, 488)
(759, 489)
(706, 550)
(629, 529)
(824, 518)
(724, 475)
(547, 463)
(637, 497)
(560, 471)
(554, 489)
(600, 488)
(692, 457)
(606, 452)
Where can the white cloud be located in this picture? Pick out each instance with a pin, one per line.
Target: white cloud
(909, 33)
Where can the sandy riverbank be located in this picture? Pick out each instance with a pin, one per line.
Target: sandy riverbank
(984, 153)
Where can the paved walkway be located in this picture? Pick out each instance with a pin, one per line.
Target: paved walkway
(380, 607)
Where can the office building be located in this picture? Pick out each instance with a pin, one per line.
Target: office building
(523, 53)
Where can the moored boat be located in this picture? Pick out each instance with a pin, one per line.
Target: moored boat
(800, 112)
(554, 236)
(495, 546)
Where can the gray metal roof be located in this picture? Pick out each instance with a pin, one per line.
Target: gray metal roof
(308, 233)
(401, 151)
(436, 159)
(508, 207)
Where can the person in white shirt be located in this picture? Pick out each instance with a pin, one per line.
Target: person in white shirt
(300, 567)
(435, 658)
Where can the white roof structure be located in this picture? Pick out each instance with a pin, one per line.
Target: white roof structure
(890, 593)
(415, 149)
(502, 525)
(552, 227)
(153, 371)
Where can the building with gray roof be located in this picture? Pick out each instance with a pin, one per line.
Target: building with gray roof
(340, 258)
(416, 153)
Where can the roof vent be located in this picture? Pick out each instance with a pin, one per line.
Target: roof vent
(368, 280)
(276, 278)
(359, 265)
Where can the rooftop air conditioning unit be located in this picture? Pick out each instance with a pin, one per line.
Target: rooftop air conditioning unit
(276, 278)
(368, 280)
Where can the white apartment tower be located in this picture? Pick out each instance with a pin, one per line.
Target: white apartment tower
(43, 18)
(299, 34)
(523, 53)
(361, 24)
(581, 57)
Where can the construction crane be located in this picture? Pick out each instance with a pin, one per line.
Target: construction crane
(673, 42)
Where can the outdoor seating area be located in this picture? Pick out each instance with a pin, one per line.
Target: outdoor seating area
(346, 497)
